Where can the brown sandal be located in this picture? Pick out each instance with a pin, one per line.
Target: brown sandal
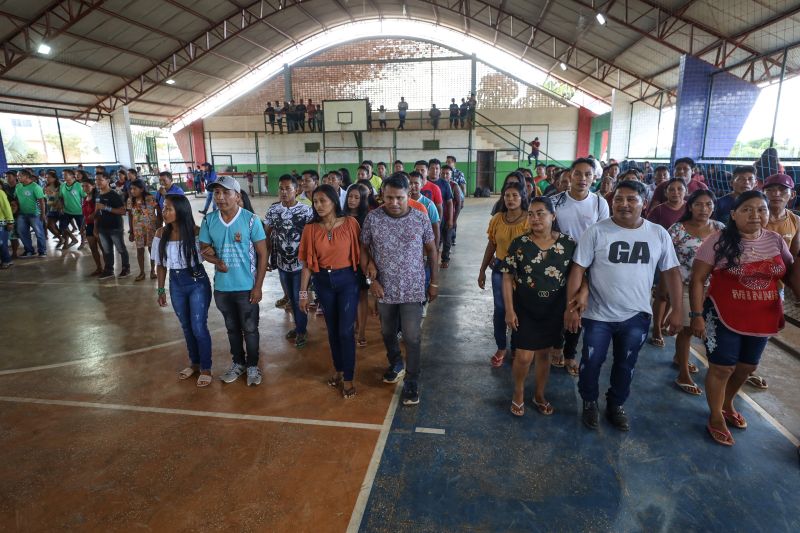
(348, 393)
(140, 277)
(335, 382)
(517, 409)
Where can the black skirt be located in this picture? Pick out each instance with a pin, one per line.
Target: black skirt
(540, 326)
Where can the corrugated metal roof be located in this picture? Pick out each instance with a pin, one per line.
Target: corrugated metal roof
(123, 47)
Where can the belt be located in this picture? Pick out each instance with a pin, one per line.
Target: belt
(331, 269)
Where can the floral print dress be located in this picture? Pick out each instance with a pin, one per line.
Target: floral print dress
(145, 220)
(540, 289)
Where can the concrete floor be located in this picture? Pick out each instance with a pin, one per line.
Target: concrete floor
(98, 434)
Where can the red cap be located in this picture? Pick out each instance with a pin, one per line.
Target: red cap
(779, 179)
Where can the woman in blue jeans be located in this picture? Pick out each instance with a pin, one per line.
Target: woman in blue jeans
(175, 249)
(507, 224)
(330, 252)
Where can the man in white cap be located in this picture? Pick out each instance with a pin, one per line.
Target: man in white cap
(233, 240)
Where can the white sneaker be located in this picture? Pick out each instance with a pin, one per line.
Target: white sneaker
(425, 310)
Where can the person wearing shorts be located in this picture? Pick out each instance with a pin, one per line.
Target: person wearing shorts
(742, 308)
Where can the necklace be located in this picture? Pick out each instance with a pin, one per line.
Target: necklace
(511, 222)
(329, 229)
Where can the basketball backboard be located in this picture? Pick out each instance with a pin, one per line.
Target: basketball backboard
(345, 115)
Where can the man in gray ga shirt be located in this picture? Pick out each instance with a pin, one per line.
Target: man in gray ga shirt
(622, 254)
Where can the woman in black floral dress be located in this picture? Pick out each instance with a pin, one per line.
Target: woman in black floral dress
(535, 275)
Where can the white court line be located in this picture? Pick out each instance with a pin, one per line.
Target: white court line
(95, 358)
(431, 431)
(747, 398)
(189, 412)
(372, 470)
(82, 283)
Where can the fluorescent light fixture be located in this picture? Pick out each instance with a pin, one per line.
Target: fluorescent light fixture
(386, 28)
(43, 49)
(563, 66)
(601, 19)
(170, 82)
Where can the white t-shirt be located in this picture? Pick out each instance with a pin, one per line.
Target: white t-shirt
(575, 216)
(622, 263)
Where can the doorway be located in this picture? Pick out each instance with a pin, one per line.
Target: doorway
(485, 175)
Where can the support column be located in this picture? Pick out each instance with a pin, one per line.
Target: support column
(619, 137)
(3, 160)
(123, 139)
(473, 83)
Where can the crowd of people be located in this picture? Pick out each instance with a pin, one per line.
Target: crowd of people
(691, 265)
(562, 242)
(298, 116)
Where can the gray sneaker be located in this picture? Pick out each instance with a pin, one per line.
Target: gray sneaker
(233, 373)
(253, 376)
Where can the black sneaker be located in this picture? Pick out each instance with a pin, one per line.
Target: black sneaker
(106, 275)
(410, 393)
(616, 415)
(394, 373)
(27, 255)
(125, 273)
(590, 417)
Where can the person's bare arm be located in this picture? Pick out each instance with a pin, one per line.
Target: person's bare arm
(674, 284)
(575, 281)
(508, 299)
(488, 254)
(433, 263)
(700, 272)
(261, 270)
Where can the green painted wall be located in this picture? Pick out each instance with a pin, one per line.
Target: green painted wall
(502, 168)
(600, 123)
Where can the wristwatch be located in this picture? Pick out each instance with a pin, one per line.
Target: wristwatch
(692, 314)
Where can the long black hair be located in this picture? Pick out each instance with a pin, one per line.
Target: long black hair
(330, 192)
(346, 180)
(139, 184)
(364, 194)
(498, 206)
(247, 205)
(687, 215)
(729, 246)
(520, 188)
(548, 204)
(184, 227)
(372, 202)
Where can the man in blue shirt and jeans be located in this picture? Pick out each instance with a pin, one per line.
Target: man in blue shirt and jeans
(209, 176)
(233, 240)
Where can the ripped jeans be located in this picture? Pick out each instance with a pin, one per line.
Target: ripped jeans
(191, 298)
(627, 338)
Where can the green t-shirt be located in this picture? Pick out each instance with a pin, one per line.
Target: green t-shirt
(28, 197)
(72, 196)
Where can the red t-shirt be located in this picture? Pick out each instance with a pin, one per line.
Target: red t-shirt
(88, 208)
(432, 192)
(665, 216)
(660, 194)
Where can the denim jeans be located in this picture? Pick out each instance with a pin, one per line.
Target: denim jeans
(628, 338)
(24, 224)
(408, 317)
(210, 200)
(64, 219)
(338, 293)
(290, 281)
(5, 255)
(191, 298)
(108, 240)
(402, 117)
(241, 321)
(499, 317)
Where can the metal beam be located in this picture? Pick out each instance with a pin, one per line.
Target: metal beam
(200, 46)
(343, 8)
(55, 20)
(609, 73)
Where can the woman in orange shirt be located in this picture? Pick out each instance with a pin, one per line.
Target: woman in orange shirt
(329, 251)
